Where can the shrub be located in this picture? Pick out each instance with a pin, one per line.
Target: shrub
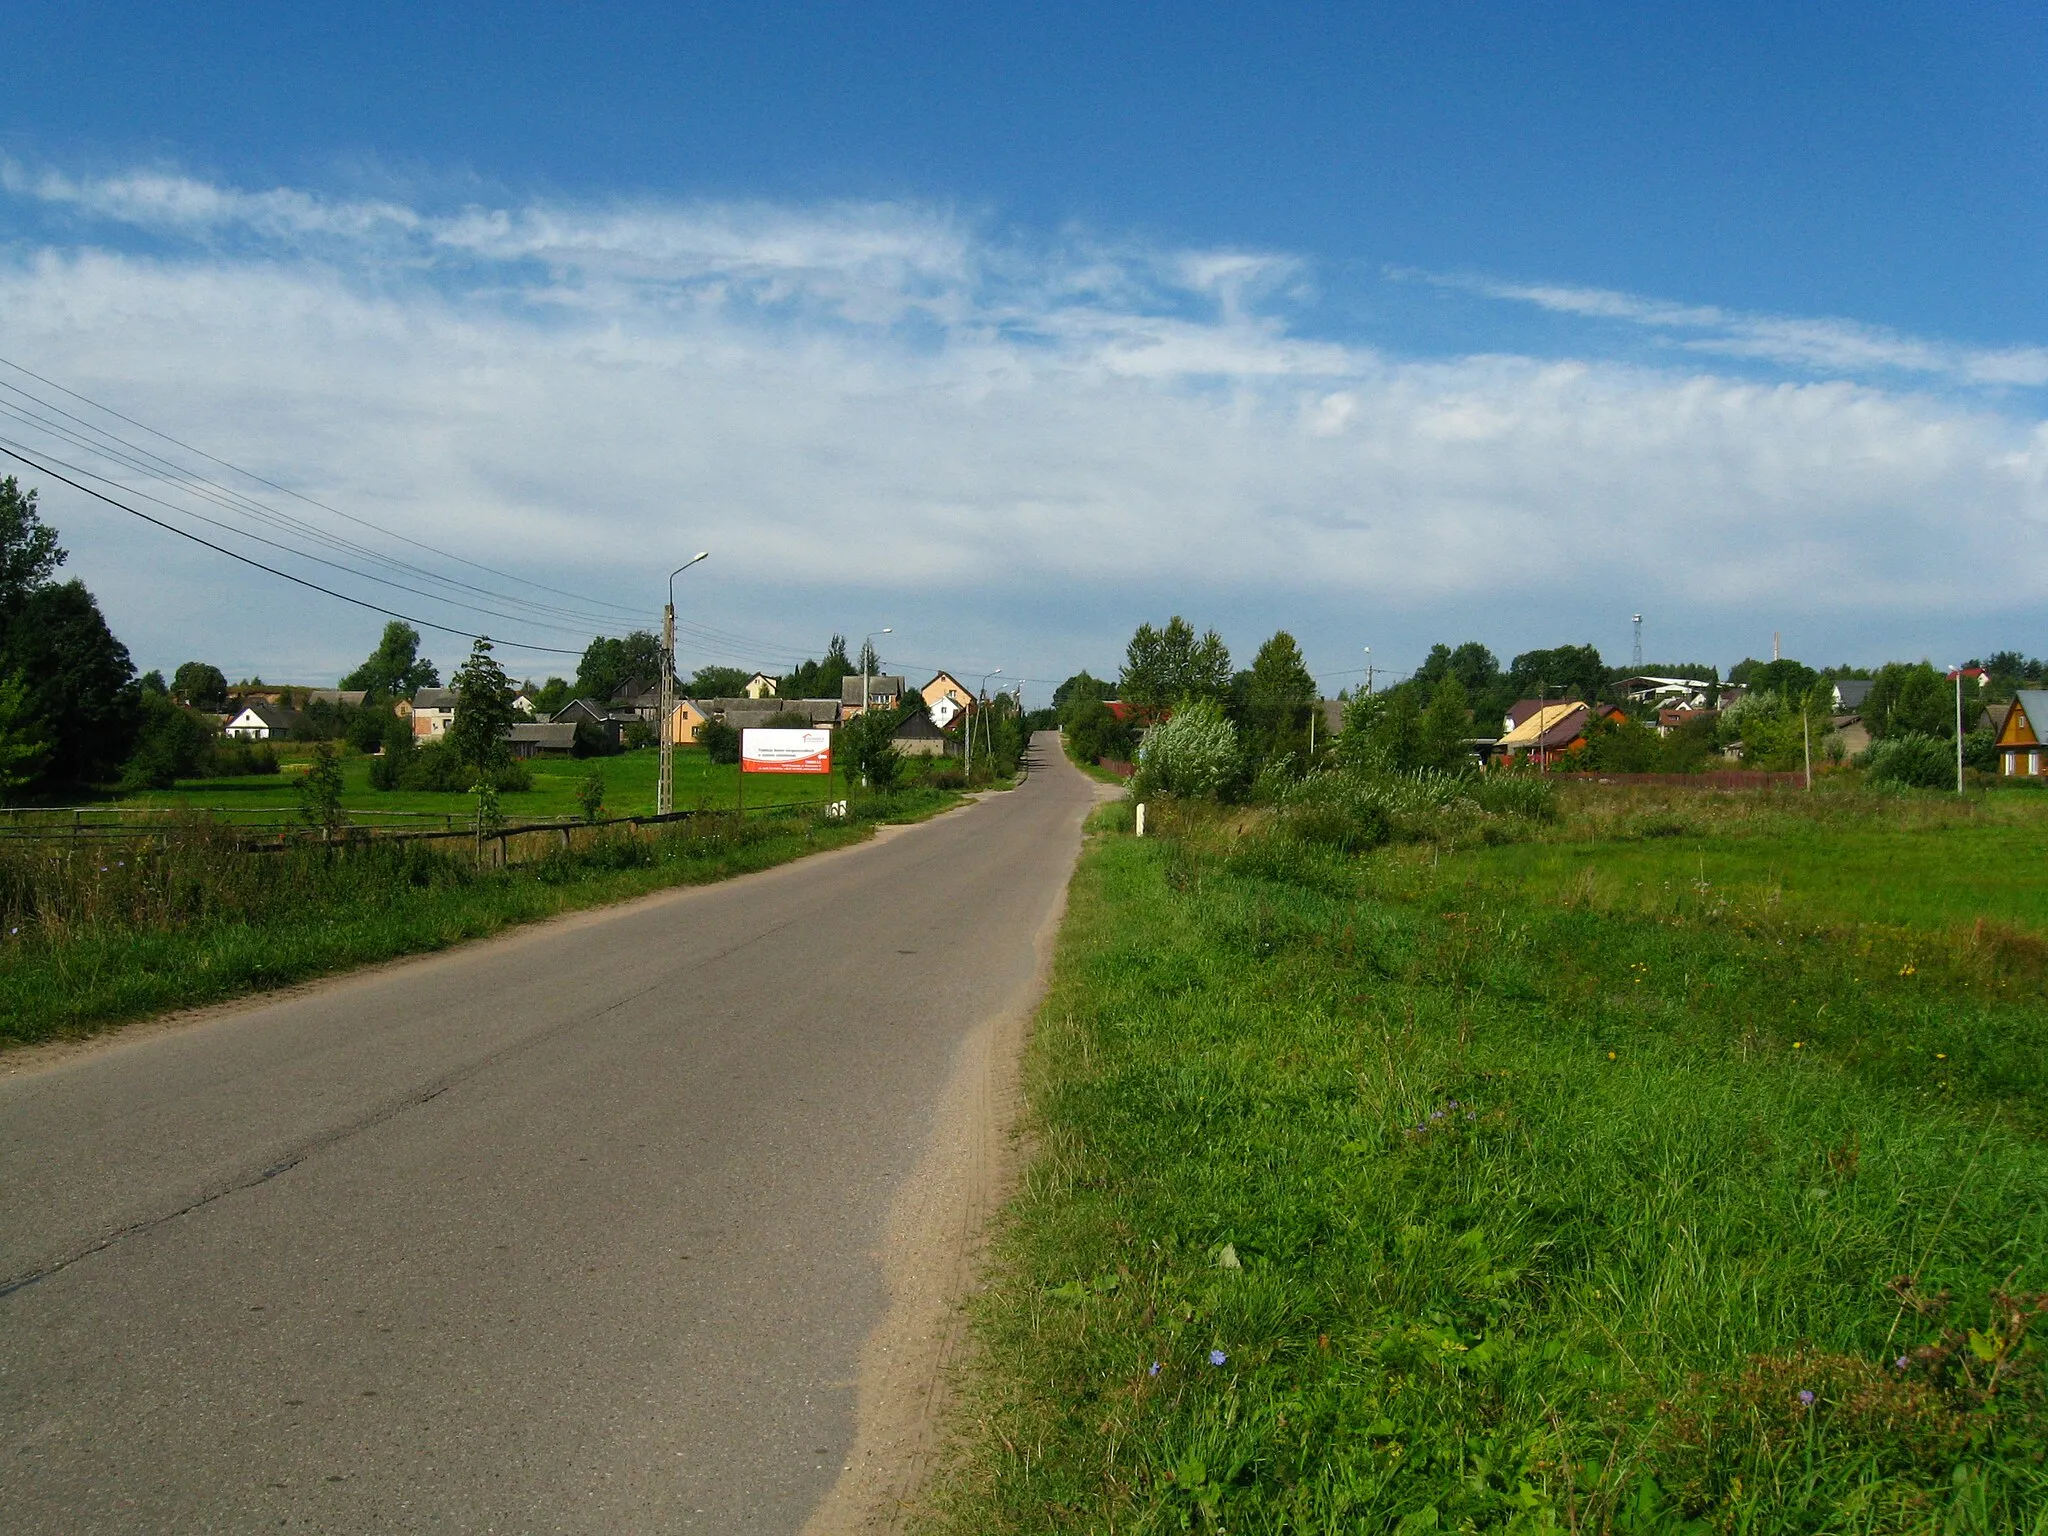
(1912, 760)
(1194, 755)
(640, 735)
(1528, 795)
(1338, 810)
(721, 743)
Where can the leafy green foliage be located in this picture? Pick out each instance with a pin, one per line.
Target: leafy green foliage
(862, 748)
(1394, 1194)
(1163, 667)
(609, 663)
(320, 790)
(1445, 726)
(24, 745)
(395, 669)
(483, 711)
(1195, 754)
(200, 685)
(29, 555)
(174, 743)
(1094, 734)
(1078, 689)
(81, 683)
(1913, 699)
(721, 743)
(1912, 760)
(590, 795)
(819, 679)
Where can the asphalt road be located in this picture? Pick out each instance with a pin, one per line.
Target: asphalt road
(574, 1230)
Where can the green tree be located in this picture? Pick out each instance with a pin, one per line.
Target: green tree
(1079, 688)
(863, 744)
(1445, 726)
(609, 663)
(29, 555)
(1277, 695)
(23, 745)
(1094, 734)
(484, 715)
(199, 685)
(1565, 671)
(1163, 667)
(320, 789)
(395, 670)
(172, 743)
(1907, 697)
(717, 683)
(590, 794)
(82, 685)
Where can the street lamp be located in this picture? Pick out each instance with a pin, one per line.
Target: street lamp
(665, 789)
(1368, 671)
(867, 649)
(983, 699)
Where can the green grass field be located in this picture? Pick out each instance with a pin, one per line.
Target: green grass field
(629, 789)
(1683, 1168)
(93, 933)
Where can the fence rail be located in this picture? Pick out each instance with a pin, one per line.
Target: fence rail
(277, 836)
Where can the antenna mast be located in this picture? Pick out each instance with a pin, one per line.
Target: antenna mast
(1637, 663)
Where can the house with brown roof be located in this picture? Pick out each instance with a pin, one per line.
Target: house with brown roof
(2019, 740)
(1551, 731)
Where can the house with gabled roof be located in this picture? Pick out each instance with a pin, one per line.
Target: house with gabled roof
(259, 721)
(1552, 730)
(880, 693)
(2019, 741)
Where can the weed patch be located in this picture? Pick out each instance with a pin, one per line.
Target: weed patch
(1408, 1192)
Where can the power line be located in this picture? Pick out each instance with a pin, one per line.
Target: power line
(362, 522)
(145, 462)
(391, 613)
(303, 554)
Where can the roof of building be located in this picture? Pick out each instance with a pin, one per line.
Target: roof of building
(1552, 725)
(879, 686)
(546, 733)
(745, 711)
(275, 716)
(436, 698)
(2034, 703)
(1522, 709)
(918, 727)
(1852, 691)
(336, 695)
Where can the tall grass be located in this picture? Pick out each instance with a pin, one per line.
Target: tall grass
(1375, 1197)
(91, 934)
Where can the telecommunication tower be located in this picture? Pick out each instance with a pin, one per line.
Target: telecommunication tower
(1637, 661)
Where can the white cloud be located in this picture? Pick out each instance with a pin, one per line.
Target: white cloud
(869, 409)
(1826, 345)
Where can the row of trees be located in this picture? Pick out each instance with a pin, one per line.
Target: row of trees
(1428, 719)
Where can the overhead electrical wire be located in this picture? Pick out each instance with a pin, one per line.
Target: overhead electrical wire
(22, 458)
(233, 501)
(361, 522)
(587, 613)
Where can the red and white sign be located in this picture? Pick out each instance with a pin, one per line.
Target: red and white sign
(763, 751)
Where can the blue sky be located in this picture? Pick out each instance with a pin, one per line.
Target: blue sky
(1387, 324)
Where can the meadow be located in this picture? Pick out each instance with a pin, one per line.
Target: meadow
(1677, 1162)
(94, 932)
(629, 781)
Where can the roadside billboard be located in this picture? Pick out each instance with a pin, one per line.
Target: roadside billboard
(765, 751)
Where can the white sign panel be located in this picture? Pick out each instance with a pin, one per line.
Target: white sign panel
(765, 751)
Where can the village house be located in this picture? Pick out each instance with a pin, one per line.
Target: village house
(260, 721)
(2019, 735)
(1550, 731)
(433, 711)
(920, 737)
(352, 697)
(760, 686)
(530, 738)
(880, 693)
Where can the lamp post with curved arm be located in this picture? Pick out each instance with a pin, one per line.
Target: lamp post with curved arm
(665, 788)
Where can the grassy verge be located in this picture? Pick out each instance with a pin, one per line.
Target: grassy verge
(1432, 1191)
(94, 938)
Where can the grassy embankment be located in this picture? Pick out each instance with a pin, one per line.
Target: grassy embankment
(1680, 1168)
(91, 934)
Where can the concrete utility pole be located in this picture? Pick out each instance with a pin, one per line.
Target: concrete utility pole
(1637, 661)
(968, 767)
(1368, 670)
(1959, 730)
(665, 788)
